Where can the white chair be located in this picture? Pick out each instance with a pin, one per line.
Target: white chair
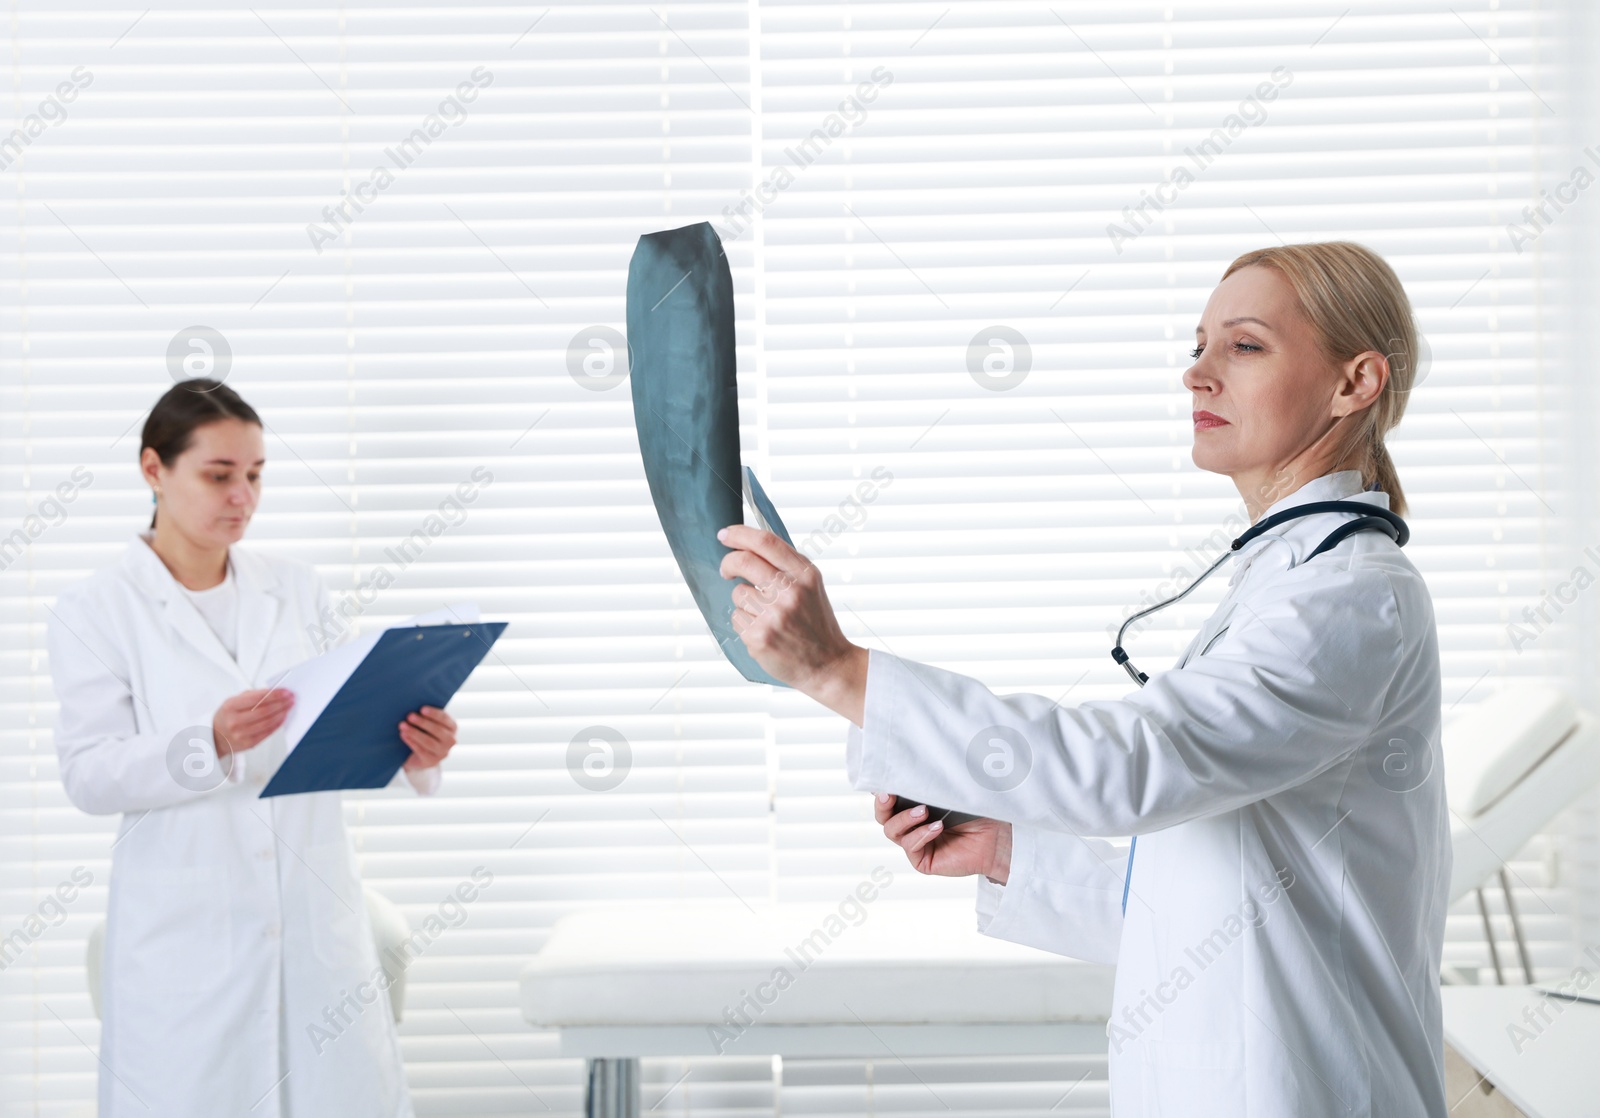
(391, 932)
(1511, 765)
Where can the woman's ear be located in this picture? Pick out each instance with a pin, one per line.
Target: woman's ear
(1361, 382)
(149, 465)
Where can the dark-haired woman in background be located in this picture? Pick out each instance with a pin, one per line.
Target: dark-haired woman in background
(239, 963)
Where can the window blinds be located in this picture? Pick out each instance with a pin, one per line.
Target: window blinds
(967, 268)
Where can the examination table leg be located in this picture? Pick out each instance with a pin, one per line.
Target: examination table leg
(613, 1088)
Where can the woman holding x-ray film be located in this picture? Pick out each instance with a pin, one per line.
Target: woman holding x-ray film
(1277, 927)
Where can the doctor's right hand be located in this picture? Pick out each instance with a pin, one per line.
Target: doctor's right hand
(245, 720)
(978, 846)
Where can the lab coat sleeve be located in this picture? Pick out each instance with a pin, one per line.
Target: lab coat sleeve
(107, 766)
(1063, 893)
(425, 781)
(1294, 685)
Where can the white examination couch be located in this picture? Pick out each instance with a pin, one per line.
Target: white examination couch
(911, 978)
(1511, 764)
(916, 978)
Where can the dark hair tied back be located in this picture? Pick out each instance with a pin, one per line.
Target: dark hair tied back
(170, 427)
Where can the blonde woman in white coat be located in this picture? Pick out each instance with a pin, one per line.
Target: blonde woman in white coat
(239, 962)
(1279, 952)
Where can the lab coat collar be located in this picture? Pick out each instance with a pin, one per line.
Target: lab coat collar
(260, 597)
(1296, 539)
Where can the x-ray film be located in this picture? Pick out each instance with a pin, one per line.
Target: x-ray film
(686, 409)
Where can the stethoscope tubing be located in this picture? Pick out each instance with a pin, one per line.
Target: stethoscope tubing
(1372, 519)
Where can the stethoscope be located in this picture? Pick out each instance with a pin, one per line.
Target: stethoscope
(1372, 518)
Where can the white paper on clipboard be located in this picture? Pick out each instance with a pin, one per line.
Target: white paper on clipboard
(316, 681)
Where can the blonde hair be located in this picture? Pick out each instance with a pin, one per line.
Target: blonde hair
(1355, 303)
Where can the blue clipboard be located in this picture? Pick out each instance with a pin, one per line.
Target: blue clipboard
(355, 741)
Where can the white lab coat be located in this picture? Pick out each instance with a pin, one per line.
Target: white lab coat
(233, 923)
(1285, 917)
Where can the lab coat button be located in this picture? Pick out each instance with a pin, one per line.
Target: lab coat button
(272, 931)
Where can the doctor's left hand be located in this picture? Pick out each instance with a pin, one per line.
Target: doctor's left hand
(783, 615)
(430, 733)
